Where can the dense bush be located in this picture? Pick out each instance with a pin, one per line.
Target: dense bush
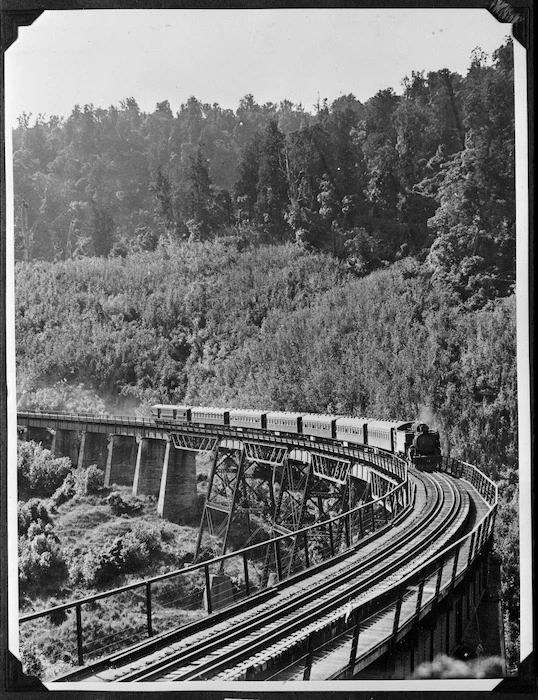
(123, 506)
(64, 492)
(124, 554)
(41, 561)
(33, 511)
(79, 482)
(89, 481)
(31, 659)
(38, 471)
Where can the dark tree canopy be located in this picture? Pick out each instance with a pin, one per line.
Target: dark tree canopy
(428, 173)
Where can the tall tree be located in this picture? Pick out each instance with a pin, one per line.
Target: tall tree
(474, 250)
(272, 197)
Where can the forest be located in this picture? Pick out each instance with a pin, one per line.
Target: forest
(429, 173)
(357, 260)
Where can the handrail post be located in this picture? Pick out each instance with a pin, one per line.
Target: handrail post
(245, 570)
(78, 613)
(438, 584)
(471, 546)
(331, 538)
(399, 601)
(148, 608)
(208, 589)
(419, 598)
(347, 531)
(278, 561)
(354, 643)
(305, 545)
(455, 567)
(309, 657)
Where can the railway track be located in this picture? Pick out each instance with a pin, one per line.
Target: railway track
(248, 643)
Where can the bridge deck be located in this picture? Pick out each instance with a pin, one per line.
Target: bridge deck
(375, 632)
(334, 657)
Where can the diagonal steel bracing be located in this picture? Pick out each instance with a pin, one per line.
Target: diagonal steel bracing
(259, 490)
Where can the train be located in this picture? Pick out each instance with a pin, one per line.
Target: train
(410, 440)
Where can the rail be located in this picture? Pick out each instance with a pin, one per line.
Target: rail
(384, 462)
(416, 594)
(185, 594)
(188, 595)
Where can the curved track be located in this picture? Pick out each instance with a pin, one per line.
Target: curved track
(246, 643)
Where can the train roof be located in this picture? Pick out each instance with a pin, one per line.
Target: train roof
(246, 411)
(318, 416)
(284, 414)
(352, 420)
(388, 424)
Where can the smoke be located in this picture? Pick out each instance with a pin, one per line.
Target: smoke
(426, 414)
(446, 667)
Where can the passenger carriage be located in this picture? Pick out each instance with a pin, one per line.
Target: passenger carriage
(284, 422)
(245, 418)
(210, 415)
(352, 430)
(318, 425)
(169, 412)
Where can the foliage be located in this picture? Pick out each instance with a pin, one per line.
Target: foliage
(31, 660)
(123, 506)
(126, 553)
(432, 166)
(33, 511)
(38, 471)
(41, 561)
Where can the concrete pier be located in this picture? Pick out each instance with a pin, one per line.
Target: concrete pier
(149, 466)
(93, 450)
(66, 443)
(121, 460)
(178, 484)
(39, 435)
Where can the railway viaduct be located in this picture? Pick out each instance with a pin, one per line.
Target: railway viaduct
(336, 519)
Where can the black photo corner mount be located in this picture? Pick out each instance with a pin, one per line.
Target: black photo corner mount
(517, 16)
(12, 20)
(16, 679)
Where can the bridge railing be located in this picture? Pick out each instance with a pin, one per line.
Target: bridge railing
(100, 624)
(482, 483)
(416, 594)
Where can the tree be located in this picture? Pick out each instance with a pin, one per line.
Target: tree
(102, 230)
(272, 192)
(246, 186)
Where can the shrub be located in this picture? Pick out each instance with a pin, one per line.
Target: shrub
(32, 511)
(65, 492)
(89, 480)
(148, 534)
(30, 659)
(38, 470)
(133, 553)
(40, 557)
(121, 506)
(124, 554)
(97, 568)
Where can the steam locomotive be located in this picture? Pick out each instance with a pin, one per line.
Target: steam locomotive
(412, 440)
